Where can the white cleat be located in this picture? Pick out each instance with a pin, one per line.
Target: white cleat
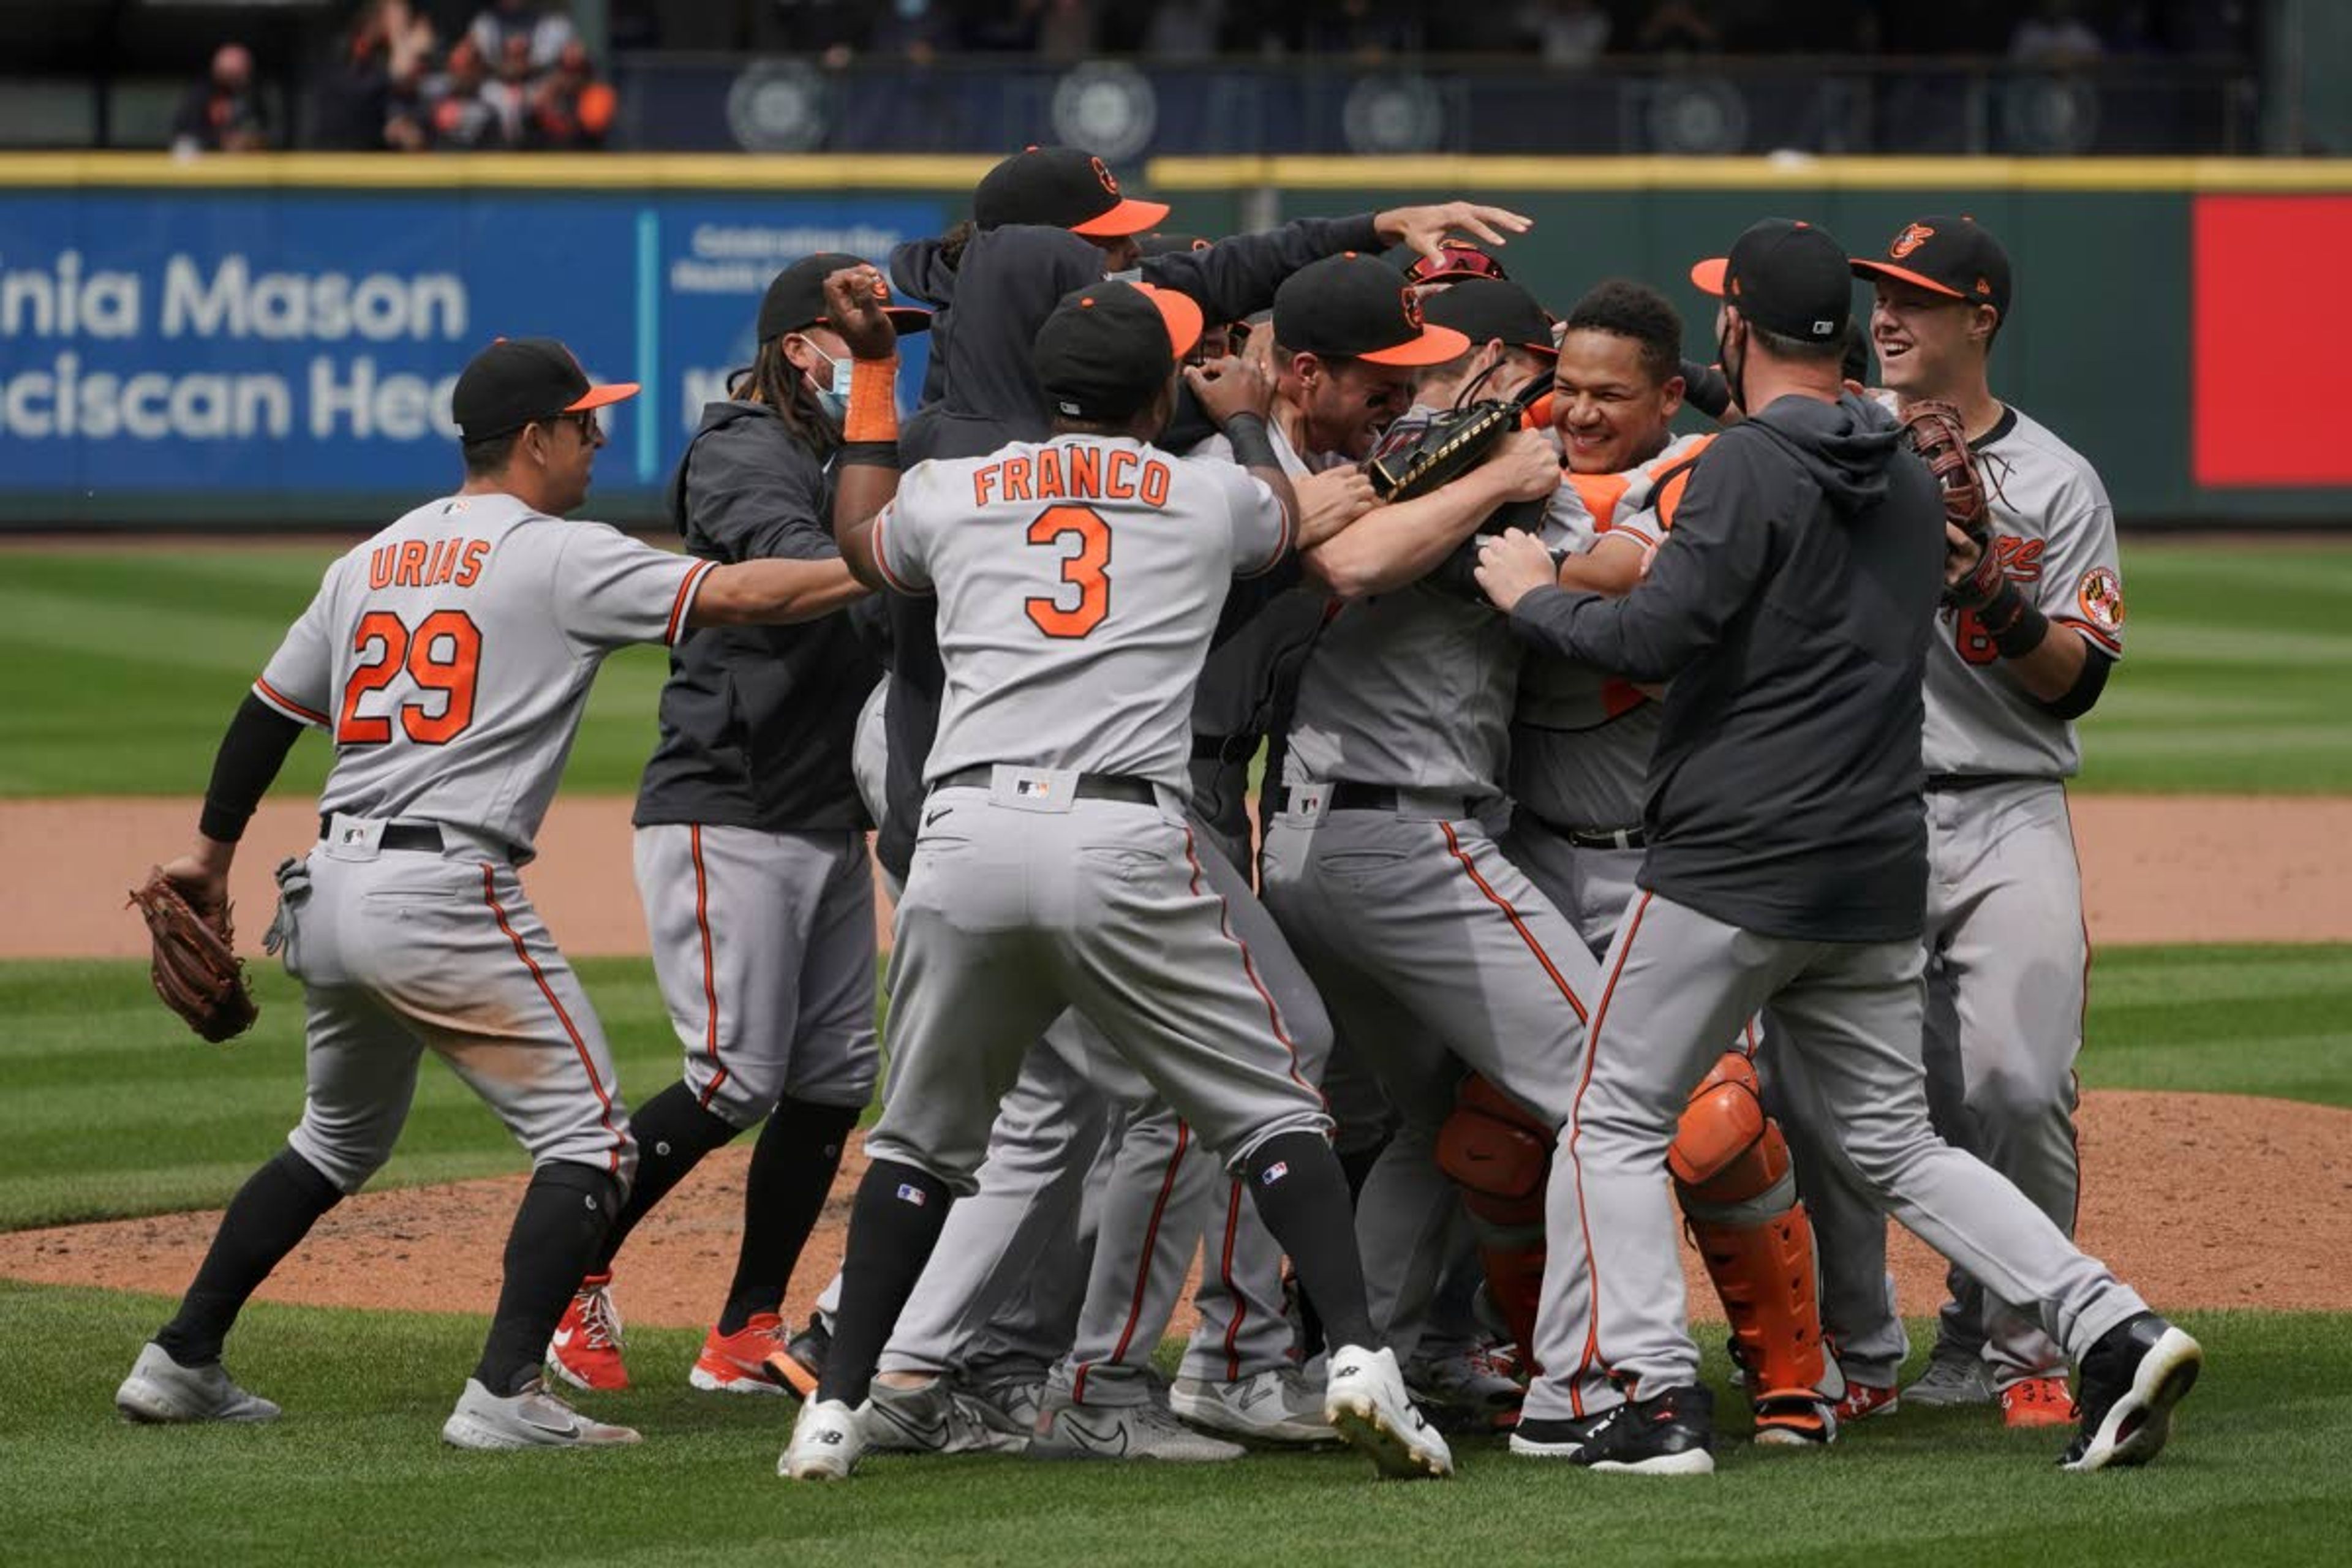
(161, 1391)
(533, 1418)
(1367, 1404)
(1068, 1430)
(827, 1441)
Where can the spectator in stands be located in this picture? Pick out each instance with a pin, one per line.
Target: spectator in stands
(1067, 30)
(1183, 33)
(462, 113)
(369, 97)
(1679, 27)
(1566, 32)
(223, 114)
(2055, 36)
(543, 31)
(570, 109)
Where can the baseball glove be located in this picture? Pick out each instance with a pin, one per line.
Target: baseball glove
(195, 967)
(1935, 432)
(1429, 457)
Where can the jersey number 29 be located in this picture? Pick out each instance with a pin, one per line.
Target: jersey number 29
(443, 654)
(1085, 570)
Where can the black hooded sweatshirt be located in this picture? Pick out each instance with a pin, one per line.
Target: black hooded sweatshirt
(1790, 607)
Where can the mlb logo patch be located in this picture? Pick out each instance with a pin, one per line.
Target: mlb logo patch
(910, 1193)
(1041, 788)
(1275, 1173)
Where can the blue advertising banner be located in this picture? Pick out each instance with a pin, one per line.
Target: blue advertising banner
(253, 356)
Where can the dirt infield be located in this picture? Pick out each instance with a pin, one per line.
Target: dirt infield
(2156, 868)
(2173, 1187)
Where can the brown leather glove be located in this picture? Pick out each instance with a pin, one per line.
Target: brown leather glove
(194, 966)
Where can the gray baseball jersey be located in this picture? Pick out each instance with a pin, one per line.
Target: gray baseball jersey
(450, 657)
(1031, 551)
(1413, 688)
(2059, 537)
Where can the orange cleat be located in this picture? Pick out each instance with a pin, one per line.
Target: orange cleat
(737, 1363)
(586, 1349)
(2037, 1402)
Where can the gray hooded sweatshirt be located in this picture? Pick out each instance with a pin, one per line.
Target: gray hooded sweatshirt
(1790, 609)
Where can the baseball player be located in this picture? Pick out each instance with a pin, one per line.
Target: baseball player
(1079, 581)
(2007, 950)
(1580, 742)
(449, 657)
(751, 853)
(1431, 949)
(1787, 863)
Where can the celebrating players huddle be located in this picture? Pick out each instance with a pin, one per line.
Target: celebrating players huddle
(1639, 809)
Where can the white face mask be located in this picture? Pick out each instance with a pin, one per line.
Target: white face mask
(833, 399)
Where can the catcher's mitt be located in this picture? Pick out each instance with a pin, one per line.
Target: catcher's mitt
(1425, 457)
(195, 967)
(1935, 432)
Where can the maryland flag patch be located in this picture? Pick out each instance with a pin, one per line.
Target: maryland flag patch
(2101, 597)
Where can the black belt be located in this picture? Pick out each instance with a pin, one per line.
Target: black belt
(1587, 837)
(1946, 783)
(1091, 786)
(1226, 749)
(1346, 795)
(397, 834)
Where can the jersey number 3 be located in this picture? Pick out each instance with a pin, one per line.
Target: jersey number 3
(1082, 570)
(443, 654)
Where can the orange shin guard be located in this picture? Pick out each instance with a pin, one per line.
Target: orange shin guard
(1500, 1156)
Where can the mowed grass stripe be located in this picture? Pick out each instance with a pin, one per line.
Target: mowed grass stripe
(2254, 1474)
(114, 1109)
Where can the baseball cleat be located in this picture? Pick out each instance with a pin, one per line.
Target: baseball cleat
(1861, 1401)
(1278, 1407)
(827, 1441)
(1553, 1437)
(2037, 1402)
(938, 1418)
(532, 1418)
(1670, 1434)
(799, 1362)
(1017, 1396)
(1068, 1430)
(1367, 1404)
(1954, 1376)
(2130, 1381)
(738, 1362)
(1795, 1422)
(161, 1391)
(1469, 1385)
(585, 1349)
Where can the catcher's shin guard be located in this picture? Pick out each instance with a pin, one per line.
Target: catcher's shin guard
(1500, 1156)
(1731, 1169)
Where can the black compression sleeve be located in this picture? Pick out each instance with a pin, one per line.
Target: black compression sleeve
(245, 766)
(2084, 694)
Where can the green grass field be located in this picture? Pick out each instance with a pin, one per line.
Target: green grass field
(117, 670)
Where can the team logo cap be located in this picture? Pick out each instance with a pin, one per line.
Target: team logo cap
(1945, 255)
(1108, 348)
(1358, 307)
(1485, 308)
(795, 298)
(1061, 188)
(1455, 261)
(1786, 275)
(523, 381)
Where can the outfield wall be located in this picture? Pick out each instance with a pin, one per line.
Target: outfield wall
(268, 341)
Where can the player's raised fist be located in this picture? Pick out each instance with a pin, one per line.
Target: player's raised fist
(853, 302)
(1229, 386)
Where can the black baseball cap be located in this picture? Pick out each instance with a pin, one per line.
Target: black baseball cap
(1109, 347)
(1483, 309)
(1944, 256)
(1061, 188)
(521, 381)
(1358, 307)
(1455, 259)
(795, 298)
(1786, 275)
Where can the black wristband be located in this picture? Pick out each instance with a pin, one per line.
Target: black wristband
(2015, 624)
(1252, 442)
(867, 455)
(1705, 389)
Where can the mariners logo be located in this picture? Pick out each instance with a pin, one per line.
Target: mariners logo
(1909, 240)
(2101, 597)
